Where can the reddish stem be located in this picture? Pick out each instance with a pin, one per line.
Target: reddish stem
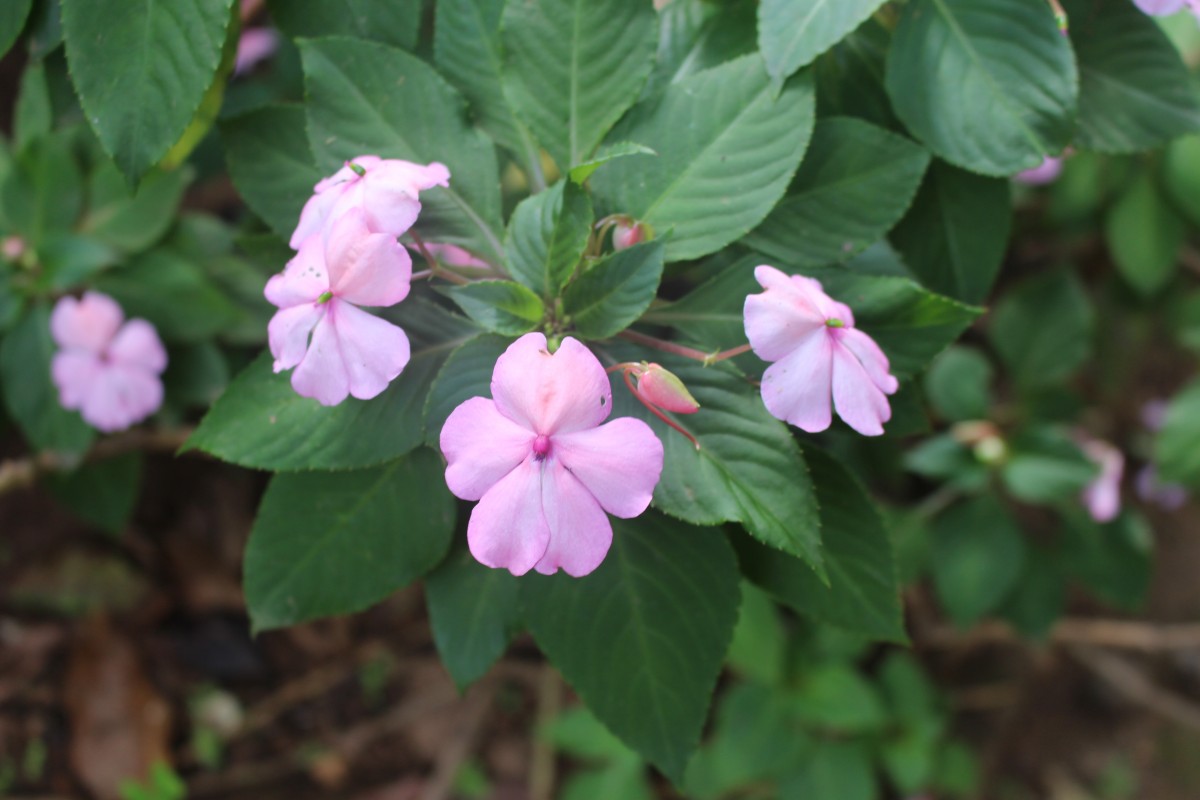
(670, 422)
(679, 350)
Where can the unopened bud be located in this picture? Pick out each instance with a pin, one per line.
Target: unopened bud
(628, 233)
(661, 387)
(991, 450)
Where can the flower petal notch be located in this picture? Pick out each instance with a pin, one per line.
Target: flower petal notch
(106, 368)
(351, 352)
(544, 465)
(386, 191)
(818, 356)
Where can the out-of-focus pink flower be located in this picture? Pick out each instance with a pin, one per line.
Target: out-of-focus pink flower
(452, 255)
(1102, 497)
(1046, 172)
(352, 352)
(385, 190)
(660, 387)
(542, 466)
(255, 45)
(13, 247)
(1154, 414)
(107, 371)
(1151, 489)
(817, 352)
(1162, 8)
(628, 234)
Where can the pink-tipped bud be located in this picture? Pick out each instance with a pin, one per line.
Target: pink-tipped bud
(627, 234)
(13, 247)
(662, 388)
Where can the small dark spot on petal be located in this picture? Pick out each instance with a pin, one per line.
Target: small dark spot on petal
(603, 399)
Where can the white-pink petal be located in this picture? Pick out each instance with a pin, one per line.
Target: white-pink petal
(580, 533)
(779, 317)
(550, 394)
(303, 280)
(508, 527)
(288, 331)
(121, 396)
(367, 269)
(137, 345)
(351, 353)
(797, 387)
(619, 463)
(481, 446)
(74, 373)
(870, 356)
(859, 402)
(85, 324)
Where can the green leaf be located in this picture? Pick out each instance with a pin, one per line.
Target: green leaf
(466, 48)
(34, 114)
(546, 237)
(43, 192)
(1045, 465)
(728, 146)
(836, 697)
(855, 183)
(397, 23)
(328, 543)
(862, 595)
(474, 612)
(958, 384)
(499, 306)
(611, 294)
(271, 164)
(988, 85)
(840, 769)
(572, 68)
(68, 260)
(955, 235)
(132, 221)
(1115, 560)
(12, 20)
(581, 172)
(695, 35)
(102, 494)
(1144, 235)
(1177, 446)
(30, 394)
(660, 611)
(791, 33)
(172, 293)
(196, 375)
(850, 77)
(1135, 93)
(360, 99)
(142, 69)
(759, 644)
(261, 422)
(1181, 176)
(1042, 328)
(467, 373)
(978, 554)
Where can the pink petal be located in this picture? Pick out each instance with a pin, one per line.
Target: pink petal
(1102, 497)
(551, 394)
(288, 330)
(1046, 172)
(1159, 8)
(508, 528)
(405, 176)
(370, 269)
(303, 280)
(318, 209)
(85, 324)
(74, 373)
(120, 397)
(384, 210)
(351, 353)
(870, 356)
(137, 345)
(796, 389)
(580, 533)
(481, 446)
(321, 374)
(452, 255)
(619, 463)
(858, 400)
(780, 317)
(254, 45)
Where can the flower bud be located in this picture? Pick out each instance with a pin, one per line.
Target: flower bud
(628, 233)
(13, 247)
(660, 387)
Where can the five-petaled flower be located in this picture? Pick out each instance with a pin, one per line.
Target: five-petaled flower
(106, 370)
(385, 190)
(352, 352)
(542, 466)
(817, 353)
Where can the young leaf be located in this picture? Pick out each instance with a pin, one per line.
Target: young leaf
(573, 67)
(132, 221)
(989, 85)
(611, 294)
(728, 146)
(142, 70)
(12, 20)
(958, 384)
(791, 33)
(978, 553)
(855, 183)
(1042, 329)
(581, 172)
(695, 35)
(327, 543)
(396, 24)
(1144, 235)
(833, 768)
(499, 306)
(546, 237)
(660, 611)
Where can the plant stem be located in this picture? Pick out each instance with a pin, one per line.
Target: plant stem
(436, 269)
(707, 359)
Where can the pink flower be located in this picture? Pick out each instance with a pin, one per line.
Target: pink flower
(254, 46)
(817, 352)
(627, 235)
(1102, 497)
(105, 370)
(352, 352)
(1046, 172)
(386, 190)
(1162, 8)
(542, 466)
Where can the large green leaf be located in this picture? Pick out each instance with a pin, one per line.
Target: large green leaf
(954, 236)
(141, 70)
(499, 306)
(12, 20)
(978, 553)
(546, 237)
(613, 293)
(855, 183)
(396, 23)
(261, 422)
(1144, 235)
(466, 48)
(30, 394)
(728, 146)
(791, 33)
(862, 595)
(329, 543)
(363, 98)
(1135, 93)
(467, 373)
(271, 164)
(1043, 328)
(747, 469)
(641, 639)
(572, 68)
(989, 85)
(1177, 446)
(695, 35)
(474, 612)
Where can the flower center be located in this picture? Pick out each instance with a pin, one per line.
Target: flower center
(324, 298)
(541, 447)
(834, 322)
(357, 168)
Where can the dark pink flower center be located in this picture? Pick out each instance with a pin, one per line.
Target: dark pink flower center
(541, 447)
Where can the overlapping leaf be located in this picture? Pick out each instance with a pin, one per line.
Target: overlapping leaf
(613, 293)
(546, 237)
(397, 23)
(791, 33)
